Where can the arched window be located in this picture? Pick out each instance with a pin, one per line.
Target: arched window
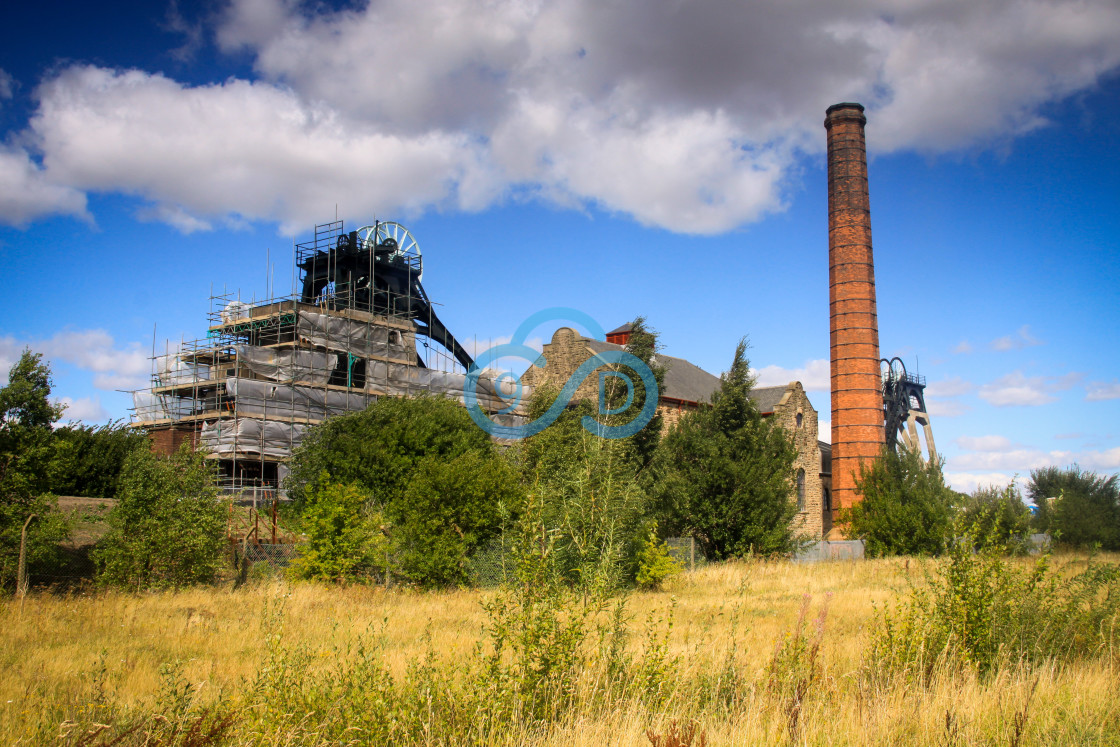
(800, 490)
(800, 419)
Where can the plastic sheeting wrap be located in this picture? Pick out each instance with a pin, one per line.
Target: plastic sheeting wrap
(285, 400)
(400, 380)
(251, 436)
(362, 339)
(311, 366)
(148, 406)
(172, 369)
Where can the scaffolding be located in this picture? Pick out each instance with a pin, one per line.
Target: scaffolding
(266, 371)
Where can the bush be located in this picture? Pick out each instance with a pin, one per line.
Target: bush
(168, 528)
(906, 507)
(982, 609)
(655, 564)
(87, 460)
(1079, 508)
(998, 517)
(344, 540)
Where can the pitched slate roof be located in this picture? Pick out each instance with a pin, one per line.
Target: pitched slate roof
(687, 381)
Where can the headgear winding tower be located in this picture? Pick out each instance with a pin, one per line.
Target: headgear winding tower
(857, 395)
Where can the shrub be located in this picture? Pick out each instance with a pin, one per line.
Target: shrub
(344, 539)
(997, 515)
(1079, 508)
(906, 507)
(87, 460)
(655, 564)
(168, 528)
(982, 609)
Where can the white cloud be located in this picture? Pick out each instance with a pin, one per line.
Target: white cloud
(27, 193)
(85, 409)
(95, 351)
(984, 443)
(1021, 339)
(686, 116)
(963, 347)
(953, 387)
(815, 375)
(1017, 389)
(950, 408)
(1096, 391)
(967, 482)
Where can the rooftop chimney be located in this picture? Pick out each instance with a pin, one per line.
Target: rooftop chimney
(857, 397)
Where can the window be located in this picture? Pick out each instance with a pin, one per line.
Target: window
(800, 490)
(827, 500)
(800, 418)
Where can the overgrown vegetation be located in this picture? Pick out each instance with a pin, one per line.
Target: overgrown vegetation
(982, 610)
(724, 475)
(1079, 508)
(168, 528)
(86, 460)
(905, 506)
(26, 417)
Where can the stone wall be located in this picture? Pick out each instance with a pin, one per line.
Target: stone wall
(795, 414)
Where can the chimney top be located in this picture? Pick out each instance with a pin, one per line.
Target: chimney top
(846, 110)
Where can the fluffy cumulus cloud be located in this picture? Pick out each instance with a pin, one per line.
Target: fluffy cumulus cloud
(1017, 389)
(85, 409)
(814, 375)
(95, 351)
(1101, 390)
(690, 116)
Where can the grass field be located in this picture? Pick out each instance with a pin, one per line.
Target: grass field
(274, 663)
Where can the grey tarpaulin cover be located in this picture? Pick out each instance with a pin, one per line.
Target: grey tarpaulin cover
(287, 400)
(312, 366)
(360, 338)
(251, 436)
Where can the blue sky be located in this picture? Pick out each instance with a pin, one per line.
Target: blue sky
(617, 158)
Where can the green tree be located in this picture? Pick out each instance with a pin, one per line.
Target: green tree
(905, 506)
(724, 475)
(168, 528)
(86, 460)
(642, 345)
(344, 538)
(26, 416)
(996, 516)
(1080, 508)
(585, 492)
(423, 465)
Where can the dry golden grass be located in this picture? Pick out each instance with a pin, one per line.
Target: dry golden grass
(59, 655)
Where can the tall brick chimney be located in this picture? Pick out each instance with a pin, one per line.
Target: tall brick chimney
(857, 398)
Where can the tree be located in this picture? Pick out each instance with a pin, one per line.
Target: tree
(26, 416)
(905, 508)
(344, 540)
(1079, 507)
(724, 475)
(168, 528)
(87, 460)
(643, 345)
(995, 516)
(584, 492)
(423, 465)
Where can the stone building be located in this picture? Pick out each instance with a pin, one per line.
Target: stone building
(689, 387)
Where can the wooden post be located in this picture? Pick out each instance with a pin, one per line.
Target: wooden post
(21, 573)
(274, 519)
(691, 553)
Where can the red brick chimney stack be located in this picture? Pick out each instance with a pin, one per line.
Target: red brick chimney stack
(857, 399)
